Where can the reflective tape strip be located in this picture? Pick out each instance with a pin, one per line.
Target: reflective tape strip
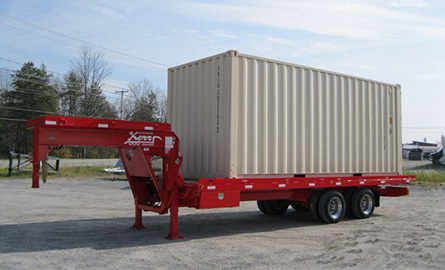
(148, 128)
(249, 186)
(102, 125)
(282, 185)
(50, 123)
(338, 183)
(312, 184)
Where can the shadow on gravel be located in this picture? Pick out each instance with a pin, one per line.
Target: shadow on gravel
(115, 232)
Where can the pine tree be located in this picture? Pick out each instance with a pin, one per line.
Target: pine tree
(95, 104)
(32, 93)
(145, 108)
(71, 94)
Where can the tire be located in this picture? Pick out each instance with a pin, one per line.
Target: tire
(260, 205)
(313, 204)
(332, 206)
(275, 208)
(299, 207)
(436, 161)
(362, 203)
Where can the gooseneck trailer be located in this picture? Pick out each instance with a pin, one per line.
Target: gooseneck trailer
(253, 129)
(139, 142)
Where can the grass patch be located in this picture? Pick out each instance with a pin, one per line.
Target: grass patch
(429, 178)
(80, 171)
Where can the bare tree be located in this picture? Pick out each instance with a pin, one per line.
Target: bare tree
(91, 67)
(5, 81)
(162, 106)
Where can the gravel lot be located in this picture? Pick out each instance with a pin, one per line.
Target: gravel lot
(84, 224)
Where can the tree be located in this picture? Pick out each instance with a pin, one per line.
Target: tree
(91, 67)
(32, 90)
(71, 94)
(162, 106)
(95, 104)
(32, 94)
(147, 102)
(5, 81)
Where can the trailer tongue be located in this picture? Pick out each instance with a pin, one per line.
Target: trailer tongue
(139, 142)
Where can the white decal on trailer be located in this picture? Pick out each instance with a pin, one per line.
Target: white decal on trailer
(140, 138)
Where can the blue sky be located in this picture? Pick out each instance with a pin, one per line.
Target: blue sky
(396, 41)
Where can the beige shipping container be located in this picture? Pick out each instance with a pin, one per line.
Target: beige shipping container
(244, 116)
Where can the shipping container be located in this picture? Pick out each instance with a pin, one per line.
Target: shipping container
(242, 116)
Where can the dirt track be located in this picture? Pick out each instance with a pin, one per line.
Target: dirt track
(75, 224)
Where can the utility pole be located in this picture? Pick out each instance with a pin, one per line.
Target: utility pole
(122, 101)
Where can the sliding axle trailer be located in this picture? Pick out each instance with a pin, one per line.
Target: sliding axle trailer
(329, 197)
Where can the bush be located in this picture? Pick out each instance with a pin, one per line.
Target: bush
(63, 153)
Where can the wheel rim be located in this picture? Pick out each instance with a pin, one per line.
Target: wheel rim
(335, 207)
(366, 204)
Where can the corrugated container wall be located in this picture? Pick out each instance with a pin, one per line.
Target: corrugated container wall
(244, 116)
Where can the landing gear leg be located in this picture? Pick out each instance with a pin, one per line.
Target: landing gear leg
(174, 232)
(138, 219)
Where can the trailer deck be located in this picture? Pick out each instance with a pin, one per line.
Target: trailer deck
(139, 142)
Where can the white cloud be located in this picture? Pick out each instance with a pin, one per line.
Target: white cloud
(313, 48)
(357, 20)
(409, 3)
(281, 41)
(222, 34)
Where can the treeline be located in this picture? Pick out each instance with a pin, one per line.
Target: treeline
(33, 91)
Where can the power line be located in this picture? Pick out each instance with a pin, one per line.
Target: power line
(82, 41)
(37, 35)
(41, 83)
(13, 119)
(27, 110)
(58, 41)
(51, 113)
(28, 90)
(45, 112)
(64, 87)
(21, 89)
(11, 61)
(25, 90)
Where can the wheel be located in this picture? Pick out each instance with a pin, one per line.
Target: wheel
(362, 203)
(260, 205)
(313, 204)
(436, 161)
(299, 207)
(275, 208)
(332, 206)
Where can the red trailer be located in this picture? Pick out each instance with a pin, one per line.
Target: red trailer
(329, 198)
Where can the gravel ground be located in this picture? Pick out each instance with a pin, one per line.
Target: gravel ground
(84, 224)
